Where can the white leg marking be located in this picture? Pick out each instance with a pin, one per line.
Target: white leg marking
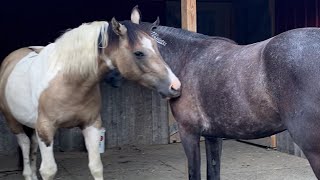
(33, 156)
(146, 43)
(24, 143)
(48, 167)
(92, 137)
(175, 82)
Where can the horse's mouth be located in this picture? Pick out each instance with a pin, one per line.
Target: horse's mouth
(171, 95)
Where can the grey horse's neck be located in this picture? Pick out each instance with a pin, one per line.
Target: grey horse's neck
(182, 46)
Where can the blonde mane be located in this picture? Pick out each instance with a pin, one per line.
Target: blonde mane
(77, 51)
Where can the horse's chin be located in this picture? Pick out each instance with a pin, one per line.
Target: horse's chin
(170, 96)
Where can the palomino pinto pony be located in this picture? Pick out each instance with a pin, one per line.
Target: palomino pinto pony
(55, 86)
(243, 92)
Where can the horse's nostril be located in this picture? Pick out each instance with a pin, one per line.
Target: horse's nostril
(172, 88)
(175, 85)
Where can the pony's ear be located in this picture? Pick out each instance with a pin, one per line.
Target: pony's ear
(135, 15)
(118, 28)
(157, 22)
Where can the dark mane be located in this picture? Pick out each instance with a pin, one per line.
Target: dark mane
(133, 31)
(184, 33)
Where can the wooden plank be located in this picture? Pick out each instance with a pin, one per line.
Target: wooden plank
(189, 15)
(133, 114)
(8, 141)
(69, 140)
(160, 130)
(273, 142)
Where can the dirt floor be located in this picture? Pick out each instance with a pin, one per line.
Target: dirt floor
(167, 162)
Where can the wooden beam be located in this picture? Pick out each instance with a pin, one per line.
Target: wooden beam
(273, 142)
(188, 22)
(189, 15)
(272, 13)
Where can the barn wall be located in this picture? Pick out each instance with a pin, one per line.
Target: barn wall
(8, 142)
(131, 114)
(285, 144)
(291, 14)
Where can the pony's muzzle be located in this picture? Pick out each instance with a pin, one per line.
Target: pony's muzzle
(175, 85)
(175, 92)
(171, 92)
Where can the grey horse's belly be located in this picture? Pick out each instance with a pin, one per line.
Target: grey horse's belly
(244, 126)
(235, 96)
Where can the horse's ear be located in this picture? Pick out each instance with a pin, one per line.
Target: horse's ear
(135, 15)
(157, 22)
(118, 28)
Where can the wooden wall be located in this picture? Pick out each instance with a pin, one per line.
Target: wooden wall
(131, 115)
(134, 115)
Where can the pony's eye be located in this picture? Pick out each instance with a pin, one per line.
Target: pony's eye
(139, 54)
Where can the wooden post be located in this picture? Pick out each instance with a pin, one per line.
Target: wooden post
(273, 142)
(189, 15)
(189, 22)
(273, 32)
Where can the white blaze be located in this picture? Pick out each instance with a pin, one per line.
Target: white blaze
(175, 82)
(146, 43)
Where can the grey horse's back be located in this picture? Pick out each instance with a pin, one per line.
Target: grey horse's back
(293, 61)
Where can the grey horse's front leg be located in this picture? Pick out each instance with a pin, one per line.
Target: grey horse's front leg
(190, 142)
(213, 151)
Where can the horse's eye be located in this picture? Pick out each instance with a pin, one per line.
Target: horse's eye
(139, 54)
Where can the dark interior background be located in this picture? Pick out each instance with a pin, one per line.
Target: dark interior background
(244, 21)
(30, 23)
(37, 22)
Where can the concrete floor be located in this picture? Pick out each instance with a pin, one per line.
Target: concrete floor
(167, 162)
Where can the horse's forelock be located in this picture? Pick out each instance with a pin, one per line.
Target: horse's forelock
(134, 31)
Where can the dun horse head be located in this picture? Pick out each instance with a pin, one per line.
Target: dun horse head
(134, 53)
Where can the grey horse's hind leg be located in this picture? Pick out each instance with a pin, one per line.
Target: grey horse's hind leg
(306, 135)
(191, 147)
(303, 126)
(213, 151)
